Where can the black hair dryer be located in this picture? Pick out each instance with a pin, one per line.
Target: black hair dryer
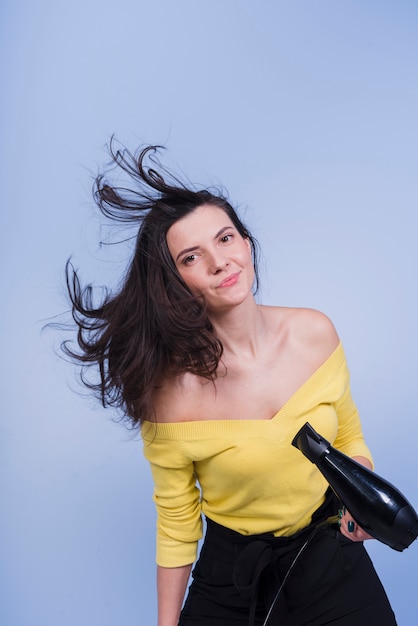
(376, 505)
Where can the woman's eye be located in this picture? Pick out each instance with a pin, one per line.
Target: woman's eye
(226, 238)
(189, 259)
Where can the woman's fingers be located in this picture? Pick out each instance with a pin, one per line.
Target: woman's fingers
(349, 527)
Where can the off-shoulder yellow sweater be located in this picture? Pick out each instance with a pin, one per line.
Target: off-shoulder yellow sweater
(245, 474)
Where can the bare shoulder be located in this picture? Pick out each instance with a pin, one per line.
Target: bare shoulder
(307, 329)
(315, 327)
(177, 398)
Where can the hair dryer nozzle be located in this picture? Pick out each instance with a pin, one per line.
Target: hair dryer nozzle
(310, 443)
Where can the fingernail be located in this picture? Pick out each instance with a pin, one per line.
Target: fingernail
(350, 527)
(344, 510)
(340, 513)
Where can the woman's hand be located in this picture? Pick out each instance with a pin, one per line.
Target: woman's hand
(349, 528)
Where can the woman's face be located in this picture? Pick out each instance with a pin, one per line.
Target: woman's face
(212, 258)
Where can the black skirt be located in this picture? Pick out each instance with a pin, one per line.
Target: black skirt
(333, 581)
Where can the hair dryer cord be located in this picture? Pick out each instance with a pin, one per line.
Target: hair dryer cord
(328, 522)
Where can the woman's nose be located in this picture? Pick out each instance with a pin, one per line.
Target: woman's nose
(218, 262)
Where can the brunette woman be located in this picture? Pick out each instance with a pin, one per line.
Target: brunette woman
(219, 385)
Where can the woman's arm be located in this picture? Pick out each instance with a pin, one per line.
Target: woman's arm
(171, 588)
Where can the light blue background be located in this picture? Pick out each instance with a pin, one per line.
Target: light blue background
(307, 112)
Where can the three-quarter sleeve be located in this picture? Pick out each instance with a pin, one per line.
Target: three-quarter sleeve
(350, 438)
(177, 500)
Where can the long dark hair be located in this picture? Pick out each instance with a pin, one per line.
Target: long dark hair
(154, 326)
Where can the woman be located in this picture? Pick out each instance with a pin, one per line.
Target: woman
(220, 385)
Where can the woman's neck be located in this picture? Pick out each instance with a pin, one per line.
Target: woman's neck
(242, 330)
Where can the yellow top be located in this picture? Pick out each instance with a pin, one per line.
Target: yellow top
(251, 478)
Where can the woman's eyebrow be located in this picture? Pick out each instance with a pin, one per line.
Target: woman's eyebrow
(186, 251)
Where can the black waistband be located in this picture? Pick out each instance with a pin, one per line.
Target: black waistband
(227, 537)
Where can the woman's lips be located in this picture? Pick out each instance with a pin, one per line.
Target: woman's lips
(229, 281)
